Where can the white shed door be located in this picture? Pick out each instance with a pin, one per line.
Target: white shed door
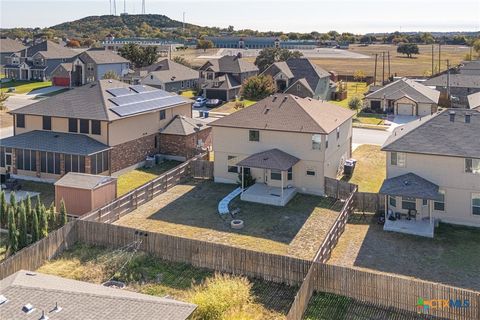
(405, 109)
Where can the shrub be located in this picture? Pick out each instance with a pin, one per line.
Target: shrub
(258, 87)
(239, 105)
(355, 103)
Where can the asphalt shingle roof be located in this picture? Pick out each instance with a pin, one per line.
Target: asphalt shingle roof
(104, 56)
(455, 80)
(184, 126)
(9, 45)
(223, 82)
(169, 71)
(52, 141)
(406, 87)
(286, 112)
(51, 50)
(411, 185)
(270, 159)
(230, 64)
(438, 135)
(82, 300)
(83, 180)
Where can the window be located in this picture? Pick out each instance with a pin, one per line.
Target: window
(326, 141)
(299, 88)
(90, 66)
(47, 123)
(424, 202)
(231, 169)
(50, 162)
(96, 127)
(2, 157)
(392, 201)
(163, 115)
(254, 135)
(182, 84)
(151, 77)
(72, 125)
(338, 133)
(99, 162)
(440, 205)
(20, 120)
(26, 160)
(290, 174)
(397, 159)
(476, 203)
(84, 126)
(409, 203)
(472, 166)
(310, 172)
(316, 142)
(275, 175)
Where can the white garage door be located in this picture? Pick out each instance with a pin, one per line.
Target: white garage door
(405, 109)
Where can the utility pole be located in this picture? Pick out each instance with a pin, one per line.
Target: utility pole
(143, 6)
(433, 71)
(124, 6)
(115, 7)
(375, 73)
(389, 71)
(183, 27)
(110, 7)
(383, 68)
(448, 79)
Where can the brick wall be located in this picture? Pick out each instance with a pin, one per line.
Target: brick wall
(184, 146)
(132, 152)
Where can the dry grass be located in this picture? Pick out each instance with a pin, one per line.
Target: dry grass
(370, 170)
(190, 210)
(231, 106)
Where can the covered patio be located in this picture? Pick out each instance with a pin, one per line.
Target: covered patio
(277, 172)
(409, 202)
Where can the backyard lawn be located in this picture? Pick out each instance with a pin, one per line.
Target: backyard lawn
(146, 274)
(25, 86)
(354, 89)
(190, 210)
(135, 178)
(230, 106)
(370, 169)
(451, 258)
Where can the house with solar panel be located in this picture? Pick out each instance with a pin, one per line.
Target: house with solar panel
(99, 128)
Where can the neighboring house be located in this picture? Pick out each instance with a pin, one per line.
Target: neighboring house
(470, 68)
(7, 48)
(38, 61)
(460, 87)
(164, 47)
(300, 77)
(32, 295)
(261, 43)
(89, 66)
(99, 128)
(222, 78)
(404, 97)
(184, 136)
(169, 76)
(282, 141)
(433, 171)
(474, 100)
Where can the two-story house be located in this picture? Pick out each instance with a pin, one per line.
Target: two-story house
(7, 48)
(433, 172)
(222, 78)
(38, 61)
(458, 85)
(286, 143)
(99, 128)
(90, 66)
(300, 77)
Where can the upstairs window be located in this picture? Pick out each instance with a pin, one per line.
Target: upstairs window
(472, 166)
(163, 115)
(96, 127)
(316, 142)
(47, 123)
(397, 159)
(254, 135)
(476, 204)
(72, 125)
(84, 126)
(20, 123)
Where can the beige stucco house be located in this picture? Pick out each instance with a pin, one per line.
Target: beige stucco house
(433, 172)
(404, 97)
(99, 128)
(287, 143)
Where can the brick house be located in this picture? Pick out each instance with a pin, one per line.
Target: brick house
(100, 128)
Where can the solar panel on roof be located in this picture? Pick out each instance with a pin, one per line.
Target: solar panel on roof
(139, 97)
(120, 92)
(139, 88)
(144, 106)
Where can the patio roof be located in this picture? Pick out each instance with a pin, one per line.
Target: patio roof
(411, 185)
(271, 159)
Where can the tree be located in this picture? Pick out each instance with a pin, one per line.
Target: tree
(366, 39)
(63, 214)
(204, 44)
(12, 231)
(427, 38)
(359, 75)
(110, 74)
(408, 48)
(43, 222)
(52, 217)
(28, 213)
(268, 56)
(355, 103)
(22, 227)
(182, 61)
(3, 209)
(3, 99)
(258, 87)
(13, 201)
(35, 228)
(73, 43)
(476, 46)
(139, 56)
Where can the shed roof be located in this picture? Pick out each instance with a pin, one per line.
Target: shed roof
(411, 185)
(83, 180)
(271, 159)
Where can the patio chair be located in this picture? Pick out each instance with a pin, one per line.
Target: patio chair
(412, 213)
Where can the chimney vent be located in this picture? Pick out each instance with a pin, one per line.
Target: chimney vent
(452, 116)
(44, 316)
(468, 117)
(28, 308)
(57, 308)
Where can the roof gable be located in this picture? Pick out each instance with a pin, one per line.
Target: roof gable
(416, 91)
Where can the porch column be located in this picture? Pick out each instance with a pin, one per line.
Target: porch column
(430, 202)
(281, 174)
(242, 178)
(386, 207)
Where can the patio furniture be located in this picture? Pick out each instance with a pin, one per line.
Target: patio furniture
(412, 213)
(13, 184)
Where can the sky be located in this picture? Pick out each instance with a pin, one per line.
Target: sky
(360, 16)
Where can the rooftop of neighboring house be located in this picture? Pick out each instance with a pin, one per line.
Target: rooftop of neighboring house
(51, 50)
(103, 56)
(105, 100)
(450, 132)
(184, 126)
(455, 81)
(299, 68)
(229, 64)
(474, 100)
(470, 65)
(226, 82)
(8, 45)
(406, 88)
(286, 112)
(62, 298)
(167, 70)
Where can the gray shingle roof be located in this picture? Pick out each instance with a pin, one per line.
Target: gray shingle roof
(169, 71)
(223, 82)
(104, 56)
(456, 81)
(437, 135)
(184, 126)
(9, 45)
(474, 100)
(51, 50)
(411, 185)
(230, 64)
(270, 159)
(286, 112)
(83, 180)
(304, 83)
(52, 141)
(406, 87)
(82, 300)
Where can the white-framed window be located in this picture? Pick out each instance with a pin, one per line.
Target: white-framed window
(254, 135)
(440, 204)
(476, 204)
(230, 168)
(472, 165)
(392, 201)
(316, 142)
(397, 159)
(275, 174)
(409, 203)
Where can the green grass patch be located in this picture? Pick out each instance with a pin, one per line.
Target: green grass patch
(370, 169)
(188, 94)
(370, 119)
(135, 178)
(24, 86)
(354, 89)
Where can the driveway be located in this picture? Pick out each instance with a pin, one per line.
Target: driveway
(369, 136)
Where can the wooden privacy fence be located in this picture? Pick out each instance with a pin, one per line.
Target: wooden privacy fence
(35, 255)
(202, 169)
(135, 198)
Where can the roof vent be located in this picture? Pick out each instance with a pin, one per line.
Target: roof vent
(406, 182)
(468, 117)
(452, 116)
(266, 110)
(44, 316)
(110, 81)
(28, 308)
(57, 308)
(3, 299)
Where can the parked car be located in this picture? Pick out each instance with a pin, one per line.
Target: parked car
(200, 102)
(213, 103)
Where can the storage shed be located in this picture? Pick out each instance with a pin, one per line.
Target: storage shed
(83, 192)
